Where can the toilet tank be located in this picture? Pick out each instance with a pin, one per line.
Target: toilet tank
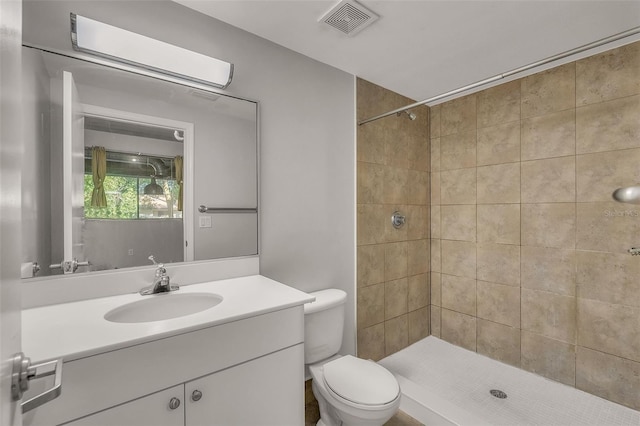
(323, 325)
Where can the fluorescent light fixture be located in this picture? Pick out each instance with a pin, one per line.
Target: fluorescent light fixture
(107, 41)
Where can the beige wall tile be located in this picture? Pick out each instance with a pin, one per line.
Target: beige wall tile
(499, 223)
(499, 184)
(549, 225)
(436, 288)
(612, 227)
(499, 104)
(608, 277)
(435, 154)
(436, 321)
(459, 294)
(549, 314)
(436, 255)
(394, 188)
(498, 263)
(499, 303)
(608, 125)
(458, 258)
(370, 305)
(371, 342)
(551, 180)
(435, 188)
(434, 125)
(458, 115)
(458, 329)
(548, 269)
(459, 222)
(436, 227)
(370, 265)
(499, 342)
(396, 150)
(549, 358)
(419, 153)
(599, 174)
(609, 377)
(371, 224)
(417, 187)
(370, 182)
(499, 144)
(419, 321)
(419, 295)
(396, 334)
(395, 298)
(608, 75)
(614, 329)
(395, 260)
(549, 135)
(549, 91)
(370, 146)
(417, 222)
(458, 151)
(457, 187)
(418, 257)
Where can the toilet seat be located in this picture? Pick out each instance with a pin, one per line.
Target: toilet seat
(360, 383)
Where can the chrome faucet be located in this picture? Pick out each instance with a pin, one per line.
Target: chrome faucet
(161, 281)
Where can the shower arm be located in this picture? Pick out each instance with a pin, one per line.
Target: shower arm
(507, 74)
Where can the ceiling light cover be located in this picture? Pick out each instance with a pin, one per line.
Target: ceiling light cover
(107, 41)
(349, 17)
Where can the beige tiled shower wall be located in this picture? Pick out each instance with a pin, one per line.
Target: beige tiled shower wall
(393, 264)
(529, 261)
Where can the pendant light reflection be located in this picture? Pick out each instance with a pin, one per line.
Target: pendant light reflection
(153, 188)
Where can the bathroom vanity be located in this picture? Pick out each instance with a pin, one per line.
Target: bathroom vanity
(239, 362)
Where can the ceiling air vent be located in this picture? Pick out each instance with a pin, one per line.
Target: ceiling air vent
(349, 17)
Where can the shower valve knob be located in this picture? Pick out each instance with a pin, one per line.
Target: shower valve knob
(634, 251)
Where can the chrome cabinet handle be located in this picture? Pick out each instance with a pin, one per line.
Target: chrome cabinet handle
(196, 395)
(174, 403)
(23, 372)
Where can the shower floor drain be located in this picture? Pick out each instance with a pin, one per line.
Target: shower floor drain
(498, 393)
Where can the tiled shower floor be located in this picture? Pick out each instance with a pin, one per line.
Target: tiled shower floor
(455, 383)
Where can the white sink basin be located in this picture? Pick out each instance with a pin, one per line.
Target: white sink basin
(163, 306)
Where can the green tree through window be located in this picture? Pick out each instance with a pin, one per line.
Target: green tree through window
(126, 199)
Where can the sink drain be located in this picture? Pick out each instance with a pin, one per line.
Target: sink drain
(498, 393)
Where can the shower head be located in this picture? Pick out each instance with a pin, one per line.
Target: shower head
(410, 114)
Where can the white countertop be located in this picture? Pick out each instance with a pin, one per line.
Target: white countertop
(78, 329)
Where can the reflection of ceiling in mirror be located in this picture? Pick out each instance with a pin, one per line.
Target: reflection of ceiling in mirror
(103, 77)
(130, 128)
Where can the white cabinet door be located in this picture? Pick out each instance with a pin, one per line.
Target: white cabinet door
(151, 410)
(266, 391)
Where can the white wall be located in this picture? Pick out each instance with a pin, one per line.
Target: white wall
(307, 116)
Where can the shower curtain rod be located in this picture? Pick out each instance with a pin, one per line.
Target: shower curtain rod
(548, 60)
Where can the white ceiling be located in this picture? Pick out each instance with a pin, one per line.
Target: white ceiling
(424, 48)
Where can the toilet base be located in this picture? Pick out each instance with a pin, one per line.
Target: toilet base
(347, 416)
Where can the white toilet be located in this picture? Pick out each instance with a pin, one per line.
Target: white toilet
(349, 390)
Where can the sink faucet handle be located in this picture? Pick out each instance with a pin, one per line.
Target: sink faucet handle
(151, 258)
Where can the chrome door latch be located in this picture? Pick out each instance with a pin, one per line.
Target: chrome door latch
(23, 371)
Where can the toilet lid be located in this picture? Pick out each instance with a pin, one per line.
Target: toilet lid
(360, 381)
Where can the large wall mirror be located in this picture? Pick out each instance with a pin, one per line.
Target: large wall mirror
(118, 165)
